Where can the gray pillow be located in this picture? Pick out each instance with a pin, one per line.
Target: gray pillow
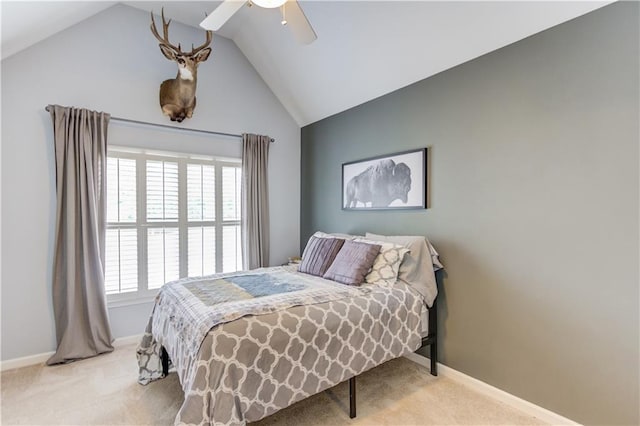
(319, 254)
(417, 268)
(352, 263)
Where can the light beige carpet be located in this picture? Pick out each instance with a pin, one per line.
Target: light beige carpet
(104, 391)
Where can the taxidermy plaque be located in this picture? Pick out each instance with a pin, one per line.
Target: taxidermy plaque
(178, 95)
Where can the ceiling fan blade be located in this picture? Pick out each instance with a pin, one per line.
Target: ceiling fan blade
(221, 14)
(298, 22)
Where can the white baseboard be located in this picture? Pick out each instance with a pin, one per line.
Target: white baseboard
(534, 410)
(128, 340)
(479, 386)
(26, 361)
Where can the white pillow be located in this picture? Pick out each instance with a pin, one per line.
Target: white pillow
(320, 234)
(385, 268)
(419, 265)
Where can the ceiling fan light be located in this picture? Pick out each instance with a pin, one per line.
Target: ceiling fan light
(269, 4)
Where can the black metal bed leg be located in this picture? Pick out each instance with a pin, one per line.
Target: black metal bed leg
(352, 397)
(434, 358)
(165, 362)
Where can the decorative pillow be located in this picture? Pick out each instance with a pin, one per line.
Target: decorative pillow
(384, 270)
(417, 269)
(352, 262)
(319, 234)
(319, 254)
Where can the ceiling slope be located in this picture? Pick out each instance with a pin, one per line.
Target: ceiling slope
(25, 23)
(365, 49)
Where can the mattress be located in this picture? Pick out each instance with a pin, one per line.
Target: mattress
(424, 322)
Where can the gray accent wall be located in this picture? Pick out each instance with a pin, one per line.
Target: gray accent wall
(533, 206)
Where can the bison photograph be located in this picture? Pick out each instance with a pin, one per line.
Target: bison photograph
(392, 181)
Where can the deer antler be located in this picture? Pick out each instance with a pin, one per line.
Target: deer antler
(206, 43)
(165, 31)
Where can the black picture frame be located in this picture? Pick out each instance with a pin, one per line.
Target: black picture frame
(382, 182)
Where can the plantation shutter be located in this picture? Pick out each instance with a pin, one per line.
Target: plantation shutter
(121, 254)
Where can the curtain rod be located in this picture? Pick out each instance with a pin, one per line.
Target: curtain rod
(166, 126)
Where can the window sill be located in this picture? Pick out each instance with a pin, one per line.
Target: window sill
(119, 300)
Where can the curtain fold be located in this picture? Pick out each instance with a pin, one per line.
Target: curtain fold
(255, 201)
(79, 301)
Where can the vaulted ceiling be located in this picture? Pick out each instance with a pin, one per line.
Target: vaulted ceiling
(364, 50)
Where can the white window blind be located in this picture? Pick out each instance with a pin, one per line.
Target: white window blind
(201, 192)
(121, 271)
(190, 224)
(202, 250)
(162, 191)
(121, 190)
(232, 249)
(121, 240)
(231, 193)
(163, 256)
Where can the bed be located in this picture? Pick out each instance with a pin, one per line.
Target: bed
(247, 344)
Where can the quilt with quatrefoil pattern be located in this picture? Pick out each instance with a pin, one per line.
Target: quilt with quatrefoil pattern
(255, 365)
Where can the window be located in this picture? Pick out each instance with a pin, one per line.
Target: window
(169, 217)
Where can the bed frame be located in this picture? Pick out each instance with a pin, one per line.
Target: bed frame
(430, 340)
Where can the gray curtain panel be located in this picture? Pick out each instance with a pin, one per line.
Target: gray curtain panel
(79, 301)
(255, 201)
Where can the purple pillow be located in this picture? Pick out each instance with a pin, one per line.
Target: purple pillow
(352, 263)
(319, 254)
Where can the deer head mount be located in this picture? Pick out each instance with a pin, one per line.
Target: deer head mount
(178, 95)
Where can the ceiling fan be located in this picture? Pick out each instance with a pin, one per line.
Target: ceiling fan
(292, 16)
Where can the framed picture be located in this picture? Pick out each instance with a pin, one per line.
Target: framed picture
(395, 181)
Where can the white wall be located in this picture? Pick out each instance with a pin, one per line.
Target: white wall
(112, 63)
